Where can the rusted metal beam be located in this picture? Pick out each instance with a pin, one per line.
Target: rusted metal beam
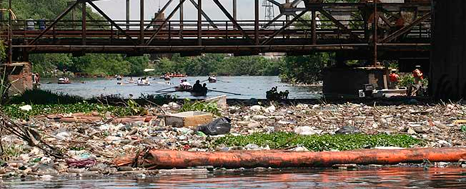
(165, 22)
(273, 20)
(256, 22)
(284, 27)
(141, 22)
(63, 14)
(84, 22)
(102, 13)
(181, 18)
(405, 29)
(128, 16)
(338, 23)
(160, 11)
(204, 14)
(235, 23)
(199, 22)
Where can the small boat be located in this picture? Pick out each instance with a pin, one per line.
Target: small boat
(198, 93)
(64, 80)
(212, 79)
(119, 78)
(143, 82)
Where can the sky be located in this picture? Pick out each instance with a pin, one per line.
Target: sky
(116, 9)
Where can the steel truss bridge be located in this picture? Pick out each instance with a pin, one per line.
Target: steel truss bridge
(401, 30)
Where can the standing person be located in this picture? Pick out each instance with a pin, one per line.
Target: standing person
(418, 78)
(394, 79)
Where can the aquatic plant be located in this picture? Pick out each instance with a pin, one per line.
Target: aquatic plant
(284, 140)
(210, 107)
(14, 111)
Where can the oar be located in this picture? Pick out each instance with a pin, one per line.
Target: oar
(225, 92)
(167, 92)
(163, 89)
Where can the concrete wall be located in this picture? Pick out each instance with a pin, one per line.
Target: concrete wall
(348, 81)
(20, 76)
(448, 62)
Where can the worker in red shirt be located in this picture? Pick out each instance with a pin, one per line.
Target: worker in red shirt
(394, 79)
(418, 77)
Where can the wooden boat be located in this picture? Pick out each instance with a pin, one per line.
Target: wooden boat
(143, 82)
(186, 88)
(64, 80)
(212, 80)
(198, 93)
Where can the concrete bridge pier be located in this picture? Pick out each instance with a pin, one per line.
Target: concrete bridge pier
(448, 62)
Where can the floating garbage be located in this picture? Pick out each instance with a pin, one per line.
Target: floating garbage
(219, 126)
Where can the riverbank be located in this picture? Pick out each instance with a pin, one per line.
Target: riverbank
(91, 142)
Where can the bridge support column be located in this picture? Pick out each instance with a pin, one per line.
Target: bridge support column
(347, 81)
(448, 63)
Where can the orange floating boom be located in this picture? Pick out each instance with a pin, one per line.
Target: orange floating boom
(159, 159)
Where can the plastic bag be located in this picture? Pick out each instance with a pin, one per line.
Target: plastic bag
(219, 126)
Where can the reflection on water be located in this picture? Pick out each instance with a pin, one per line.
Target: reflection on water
(319, 178)
(247, 86)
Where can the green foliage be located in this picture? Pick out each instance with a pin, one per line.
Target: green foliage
(210, 107)
(406, 80)
(135, 108)
(40, 109)
(219, 64)
(305, 69)
(281, 140)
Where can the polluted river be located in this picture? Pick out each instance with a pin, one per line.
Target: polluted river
(265, 144)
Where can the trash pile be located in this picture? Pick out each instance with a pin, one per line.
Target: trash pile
(88, 143)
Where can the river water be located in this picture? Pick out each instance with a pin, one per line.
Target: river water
(247, 86)
(311, 178)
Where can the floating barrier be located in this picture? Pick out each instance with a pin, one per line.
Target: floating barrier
(160, 159)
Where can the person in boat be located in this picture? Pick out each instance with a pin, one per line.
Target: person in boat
(204, 89)
(197, 87)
